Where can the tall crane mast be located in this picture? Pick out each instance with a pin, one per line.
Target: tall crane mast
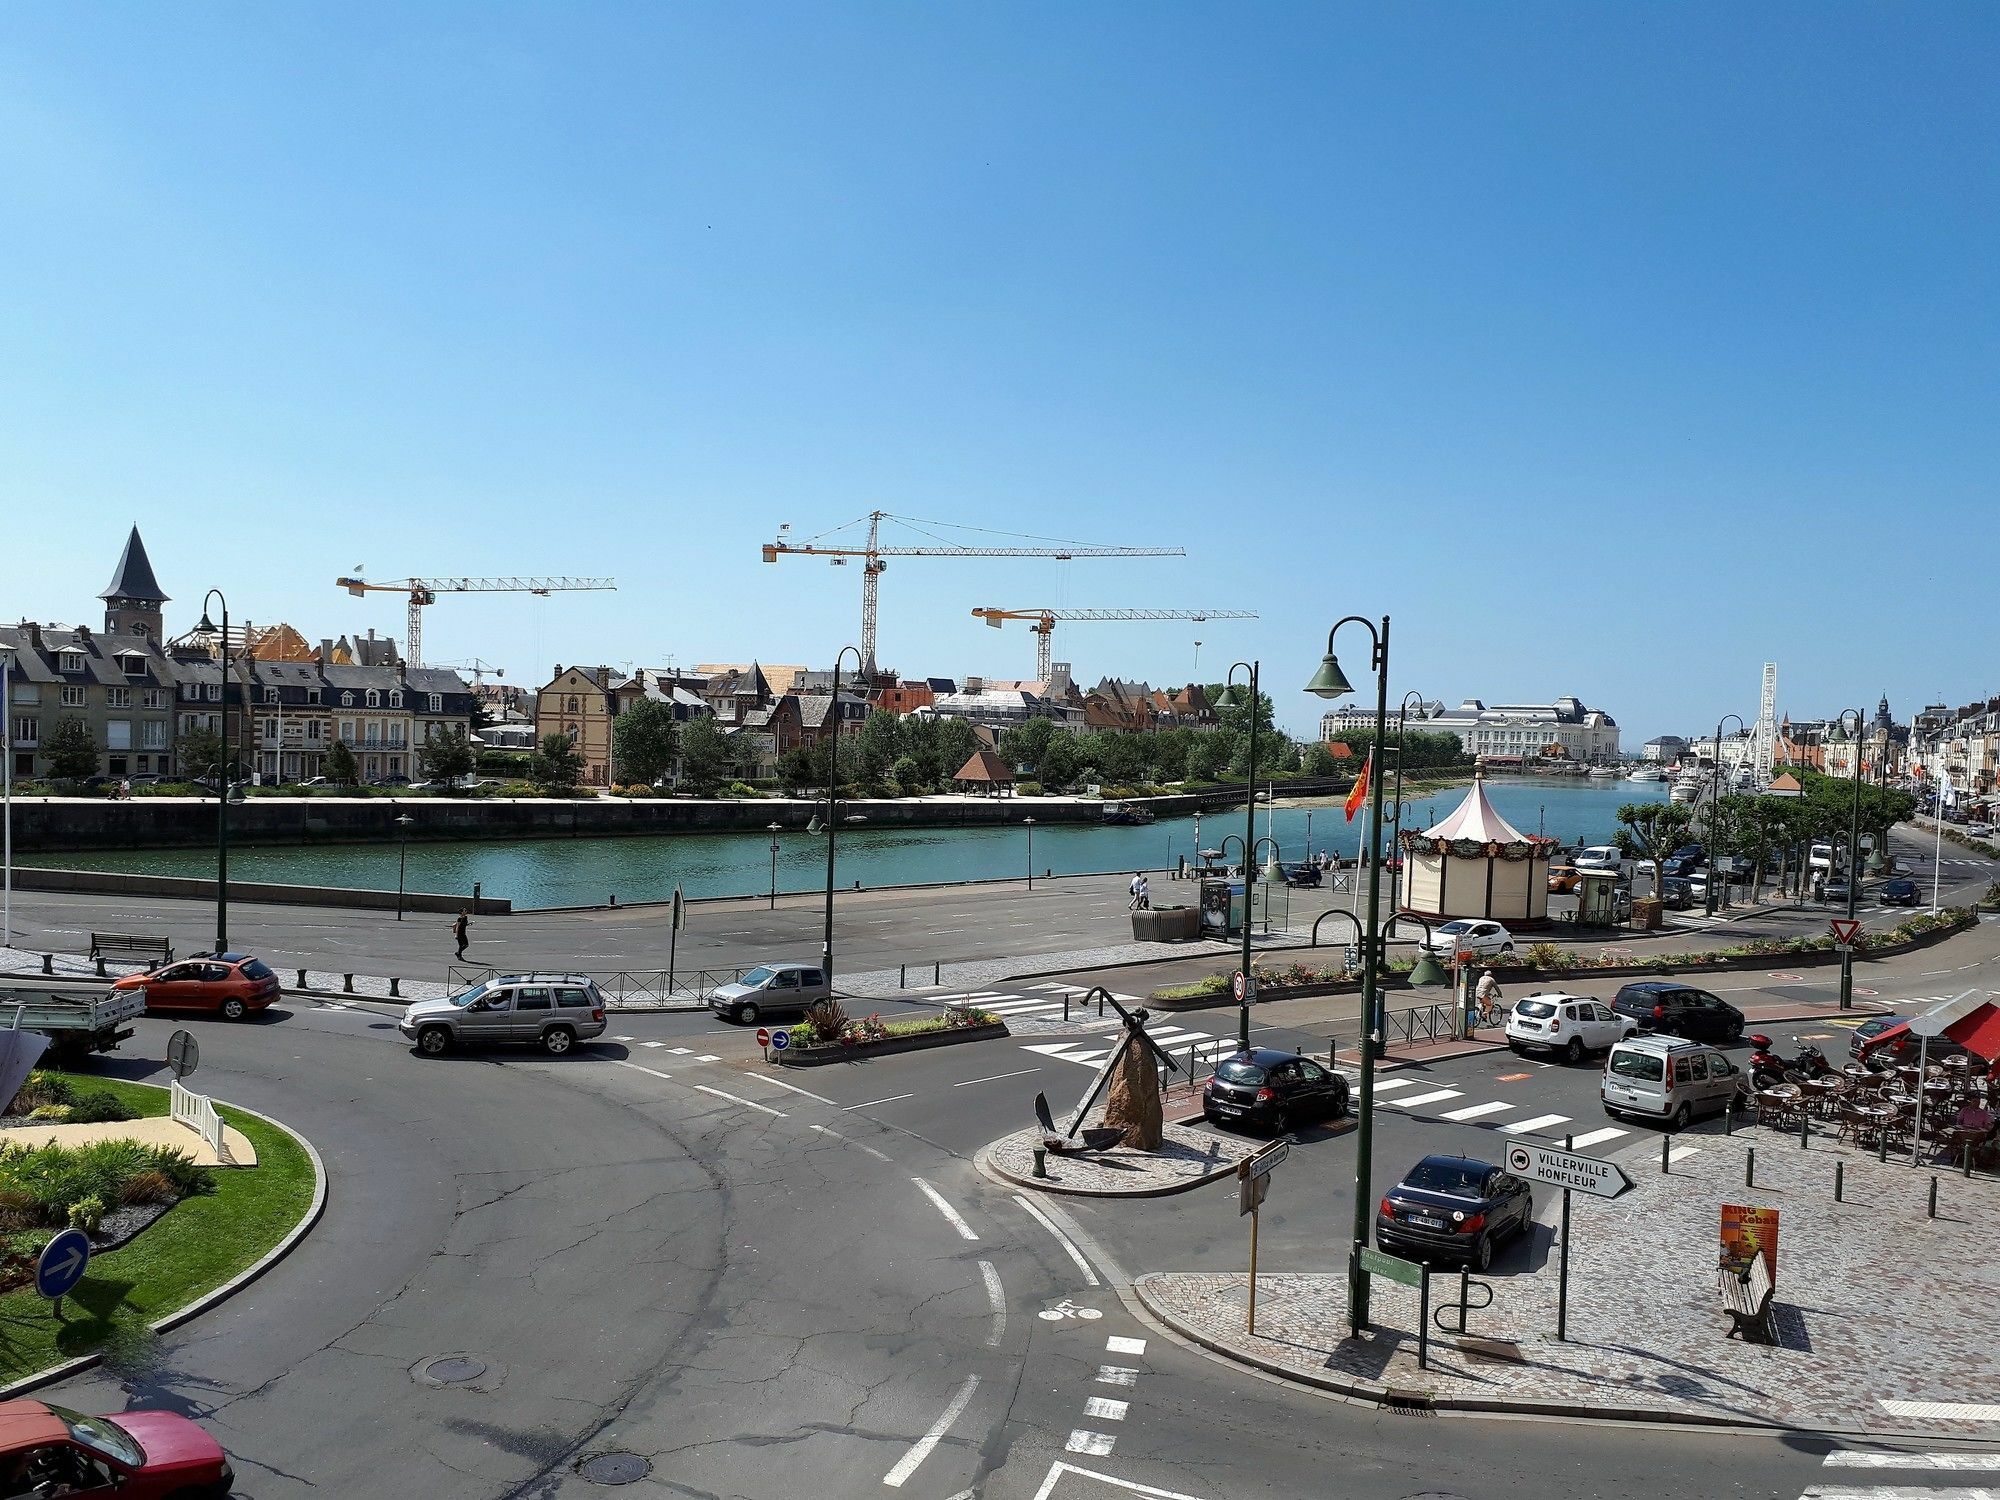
(1044, 622)
(423, 591)
(873, 552)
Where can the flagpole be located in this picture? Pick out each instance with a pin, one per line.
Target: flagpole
(673, 939)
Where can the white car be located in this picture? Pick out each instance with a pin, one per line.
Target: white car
(1469, 935)
(1980, 830)
(1568, 1024)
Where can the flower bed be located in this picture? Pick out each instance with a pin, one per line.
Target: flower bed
(828, 1034)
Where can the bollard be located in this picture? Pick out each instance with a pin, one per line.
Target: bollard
(614, 898)
(100, 970)
(1839, 1180)
(302, 979)
(347, 984)
(1332, 1055)
(1750, 1167)
(1666, 1144)
(902, 976)
(1968, 1159)
(1729, 1115)
(937, 972)
(1100, 1004)
(1041, 1161)
(1882, 1141)
(1065, 1007)
(395, 990)
(48, 963)
(1805, 1128)
(1931, 1212)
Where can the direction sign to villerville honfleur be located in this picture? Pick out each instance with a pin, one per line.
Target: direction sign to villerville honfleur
(1567, 1169)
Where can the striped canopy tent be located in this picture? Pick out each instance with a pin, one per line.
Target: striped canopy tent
(1474, 863)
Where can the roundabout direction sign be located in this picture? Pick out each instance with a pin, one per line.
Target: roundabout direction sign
(1567, 1169)
(62, 1263)
(780, 1040)
(183, 1053)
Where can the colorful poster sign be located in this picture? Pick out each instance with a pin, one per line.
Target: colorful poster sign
(1747, 1233)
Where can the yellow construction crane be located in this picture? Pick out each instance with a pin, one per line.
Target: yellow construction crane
(872, 553)
(1044, 622)
(423, 591)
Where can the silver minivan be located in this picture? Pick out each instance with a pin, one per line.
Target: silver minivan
(770, 990)
(550, 1011)
(1665, 1078)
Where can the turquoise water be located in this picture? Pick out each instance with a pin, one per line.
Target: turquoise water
(582, 872)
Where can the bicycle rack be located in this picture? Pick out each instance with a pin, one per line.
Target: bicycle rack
(1464, 1307)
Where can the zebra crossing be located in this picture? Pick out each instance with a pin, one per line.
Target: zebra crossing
(670, 1049)
(1908, 1476)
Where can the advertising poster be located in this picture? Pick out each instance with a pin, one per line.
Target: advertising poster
(1746, 1234)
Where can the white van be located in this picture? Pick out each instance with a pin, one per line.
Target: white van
(1667, 1079)
(1602, 857)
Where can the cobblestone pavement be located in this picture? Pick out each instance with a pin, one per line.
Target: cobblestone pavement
(1186, 1159)
(1876, 1305)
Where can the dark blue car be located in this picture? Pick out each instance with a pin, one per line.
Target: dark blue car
(1898, 892)
(1453, 1207)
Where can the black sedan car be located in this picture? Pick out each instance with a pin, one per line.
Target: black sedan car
(1677, 1009)
(1898, 892)
(1297, 875)
(1676, 894)
(1456, 1207)
(1274, 1090)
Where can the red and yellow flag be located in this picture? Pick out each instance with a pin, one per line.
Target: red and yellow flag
(1360, 792)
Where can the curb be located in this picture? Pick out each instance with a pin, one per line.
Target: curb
(307, 1223)
(983, 1161)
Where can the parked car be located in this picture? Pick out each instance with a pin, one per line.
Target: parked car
(1682, 860)
(1900, 1050)
(1835, 889)
(1569, 1024)
(1734, 868)
(1600, 857)
(1469, 936)
(1980, 829)
(230, 985)
(1668, 1006)
(1456, 1207)
(315, 781)
(139, 1455)
(1676, 893)
(1297, 875)
(1274, 1090)
(551, 1011)
(1667, 1079)
(1898, 892)
(770, 990)
(1563, 878)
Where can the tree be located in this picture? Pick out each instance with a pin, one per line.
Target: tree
(200, 749)
(876, 749)
(1024, 744)
(1208, 754)
(71, 750)
(447, 756)
(557, 767)
(1060, 764)
(1652, 831)
(645, 742)
(1319, 761)
(340, 768)
(707, 757)
(802, 768)
(956, 741)
(903, 775)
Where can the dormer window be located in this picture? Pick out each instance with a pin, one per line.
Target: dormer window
(132, 664)
(72, 661)
(347, 700)
(312, 695)
(395, 698)
(437, 703)
(374, 698)
(270, 695)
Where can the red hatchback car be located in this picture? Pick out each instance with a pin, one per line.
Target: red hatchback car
(230, 985)
(137, 1455)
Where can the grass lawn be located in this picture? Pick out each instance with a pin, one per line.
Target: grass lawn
(196, 1246)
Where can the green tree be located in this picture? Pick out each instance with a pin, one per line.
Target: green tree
(71, 750)
(802, 768)
(956, 741)
(340, 768)
(922, 749)
(200, 748)
(1208, 753)
(876, 749)
(905, 777)
(1060, 765)
(1652, 831)
(557, 767)
(447, 756)
(1024, 744)
(1318, 760)
(707, 757)
(1232, 708)
(645, 742)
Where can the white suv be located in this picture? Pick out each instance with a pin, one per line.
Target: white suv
(1567, 1024)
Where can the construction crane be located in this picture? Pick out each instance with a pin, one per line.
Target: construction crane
(873, 552)
(478, 669)
(1044, 622)
(423, 591)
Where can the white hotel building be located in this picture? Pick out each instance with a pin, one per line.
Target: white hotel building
(1522, 729)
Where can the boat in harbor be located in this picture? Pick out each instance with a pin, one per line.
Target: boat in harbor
(1126, 815)
(1603, 773)
(1688, 787)
(1648, 773)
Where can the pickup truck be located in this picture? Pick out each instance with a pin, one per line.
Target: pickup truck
(77, 1021)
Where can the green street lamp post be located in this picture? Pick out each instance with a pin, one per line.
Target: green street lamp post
(207, 627)
(833, 806)
(1715, 808)
(1330, 682)
(1853, 861)
(1249, 842)
(1396, 839)
(1029, 824)
(773, 830)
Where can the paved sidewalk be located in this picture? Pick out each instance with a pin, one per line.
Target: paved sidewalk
(1878, 1308)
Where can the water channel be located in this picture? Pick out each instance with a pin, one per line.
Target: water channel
(587, 871)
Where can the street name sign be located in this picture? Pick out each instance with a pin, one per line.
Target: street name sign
(1844, 930)
(1266, 1161)
(62, 1264)
(780, 1040)
(183, 1053)
(1567, 1169)
(1391, 1267)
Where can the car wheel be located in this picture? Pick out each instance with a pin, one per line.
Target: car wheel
(1340, 1105)
(1508, 949)
(1736, 1031)
(433, 1040)
(233, 1009)
(1683, 1115)
(1482, 1253)
(747, 1013)
(557, 1040)
(1573, 1053)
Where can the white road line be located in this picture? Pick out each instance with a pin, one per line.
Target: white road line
(890, 1100)
(1117, 1344)
(1474, 1111)
(1540, 1122)
(951, 1214)
(649, 1072)
(1681, 1153)
(1963, 1411)
(997, 1295)
(1892, 1492)
(1383, 1085)
(1089, 1276)
(707, 1058)
(734, 1099)
(1129, 1486)
(920, 1450)
(1096, 1444)
(1410, 1101)
(794, 1088)
(1117, 1375)
(1106, 1409)
(1609, 1133)
(850, 1141)
(994, 1078)
(662, 1044)
(1844, 1458)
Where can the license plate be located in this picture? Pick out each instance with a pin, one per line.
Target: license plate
(1228, 1109)
(1427, 1221)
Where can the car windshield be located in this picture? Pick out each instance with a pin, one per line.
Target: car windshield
(1644, 1066)
(466, 997)
(102, 1436)
(1461, 1179)
(1236, 1070)
(758, 975)
(1541, 1010)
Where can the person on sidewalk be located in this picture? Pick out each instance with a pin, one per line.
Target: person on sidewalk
(1145, 893)
(1488, 996)
(459, 929)
(1138, 890)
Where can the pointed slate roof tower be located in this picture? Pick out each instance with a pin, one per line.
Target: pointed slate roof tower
(133, 598)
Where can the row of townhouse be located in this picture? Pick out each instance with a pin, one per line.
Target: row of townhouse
(1959, 747)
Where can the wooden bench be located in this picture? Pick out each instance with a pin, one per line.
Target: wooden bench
(1746, 1297)
(152, 951)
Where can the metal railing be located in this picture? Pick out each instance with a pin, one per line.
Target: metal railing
(623, 989)
(1420, 1023)
(197, 1112)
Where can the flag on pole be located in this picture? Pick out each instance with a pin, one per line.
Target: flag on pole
(1360, 792)
(680, 910)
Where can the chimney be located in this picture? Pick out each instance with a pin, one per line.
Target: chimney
(604, 677)
(34, 633)
(975, 684)
(83, 635)
(325, 651)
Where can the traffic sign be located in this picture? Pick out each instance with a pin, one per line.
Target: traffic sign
(1391, 1267)
(1844, 931)
(763, 1036)
(780, 1040)
(1567, 1169)
(183, 1053)
(1239, 986)
(1250, 1194)
(62, 1263)
(1266, 1161)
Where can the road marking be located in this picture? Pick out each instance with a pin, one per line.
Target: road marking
(890, 1100)
(1474, 1111)
(734, 1099)
(1847, 1459)
(780, 1083)
(849, 1140)
(1117, 1344)
(1089, 1276)
(1384, 1085)
(1609, 1133)
(1096, 1444)
(920, 1450)
(649, 1072)
(951, 1214)
(1117, 1375)
(678, 1050)
(1130, 1486)
(997, 1296)
(1411, 1101)
(996, 1077)
(1106, 1409)
(1963, 1411)
(1681, 1153)
(1540, 1122)
(1892, 1492)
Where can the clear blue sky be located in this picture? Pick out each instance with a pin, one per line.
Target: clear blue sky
(1611, 349)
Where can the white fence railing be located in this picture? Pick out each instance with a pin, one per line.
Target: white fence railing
(197, 1112)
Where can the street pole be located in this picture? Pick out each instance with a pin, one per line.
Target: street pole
(1249, 869)
(1853, 863)
(1715, 807)
(773, 831)
(222, 776)
(1309, 835)
(7, 793)
(833, 807)
(1029, 824)
(403, 822)
(1396, 840)
(1330, 682)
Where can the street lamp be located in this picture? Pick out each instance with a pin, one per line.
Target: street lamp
(1715, 807)
(403, 822)
(207, 627)
(833, 806)
(1396, 840)
(1330, 682)
(1249, 841)
(1853, 862)
(1309, 835)
(773, 829)
(1029, 824)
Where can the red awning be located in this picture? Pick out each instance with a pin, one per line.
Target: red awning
(1978, 1032)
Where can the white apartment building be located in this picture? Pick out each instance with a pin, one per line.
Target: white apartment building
(1523, 729)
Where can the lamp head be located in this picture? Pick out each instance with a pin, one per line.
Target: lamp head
(1427, 975)
(207, 626)
(1329, 681)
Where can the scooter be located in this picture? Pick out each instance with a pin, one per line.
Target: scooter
(1768, 1069)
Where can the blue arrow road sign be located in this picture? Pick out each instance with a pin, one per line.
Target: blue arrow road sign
(780, 1040)
(62, 1262)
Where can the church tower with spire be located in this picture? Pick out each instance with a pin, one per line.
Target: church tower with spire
(133, 598)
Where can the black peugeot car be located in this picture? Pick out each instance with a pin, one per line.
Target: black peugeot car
(1898, 892)
(1453, 1206)
(1274, 1090)
(1666, 1005)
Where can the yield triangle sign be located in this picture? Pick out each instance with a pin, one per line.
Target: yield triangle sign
(1844, 929)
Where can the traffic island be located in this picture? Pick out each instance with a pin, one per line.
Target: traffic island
(1875, 1315)
(1187, 1159)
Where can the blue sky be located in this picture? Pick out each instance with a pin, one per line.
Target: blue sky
(1611, 349)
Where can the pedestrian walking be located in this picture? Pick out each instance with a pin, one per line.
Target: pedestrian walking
(1489, 999)
(1136, 885)
(1145, 893)
(459, 930)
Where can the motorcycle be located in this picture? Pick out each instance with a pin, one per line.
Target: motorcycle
(1767, 1068)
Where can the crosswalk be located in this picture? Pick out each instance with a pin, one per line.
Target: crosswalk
(688, 1053)
(1907, 1476)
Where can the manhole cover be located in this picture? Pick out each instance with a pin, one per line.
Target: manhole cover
(614, 1468)
(453, 1369)
(459, 1370)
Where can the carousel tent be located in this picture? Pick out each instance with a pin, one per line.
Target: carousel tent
(1476, 864)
